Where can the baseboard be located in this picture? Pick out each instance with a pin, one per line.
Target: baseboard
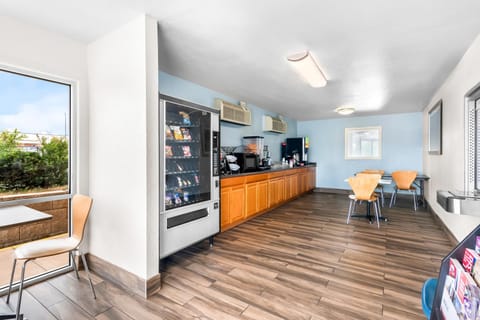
(124, 278)
(332, 190)
(437, 219)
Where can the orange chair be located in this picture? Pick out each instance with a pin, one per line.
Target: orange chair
(363, 186)
(81, 206)
(404, 181)
(379, 186)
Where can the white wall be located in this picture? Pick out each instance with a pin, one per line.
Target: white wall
(447, 171)
(124, 229)
(30, 48)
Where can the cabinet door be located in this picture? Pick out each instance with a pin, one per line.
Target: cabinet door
(281, 189)
(303, 182)
(294, 185)
(272, 193)
(225, 207)
(312, 178)
(237, 204)
(276, 189)
(288, 187)
(251, 198)
(262, 195)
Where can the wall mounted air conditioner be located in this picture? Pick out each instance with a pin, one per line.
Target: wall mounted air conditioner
(233, 113)
(274, 124)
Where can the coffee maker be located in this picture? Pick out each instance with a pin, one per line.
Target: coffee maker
(266, 161)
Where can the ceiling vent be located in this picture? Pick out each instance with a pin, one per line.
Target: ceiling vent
(274, 124)
(233, 113)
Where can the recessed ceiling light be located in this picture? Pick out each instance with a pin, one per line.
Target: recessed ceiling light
(305, 65)
(345, 110)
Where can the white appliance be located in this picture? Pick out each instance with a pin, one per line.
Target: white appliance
(232, 113)
(189, 174)
(272, 124)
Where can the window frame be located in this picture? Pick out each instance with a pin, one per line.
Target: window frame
(72, 167)
(348, 143)
(472, 150)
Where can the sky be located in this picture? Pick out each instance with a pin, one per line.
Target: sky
(32, 105)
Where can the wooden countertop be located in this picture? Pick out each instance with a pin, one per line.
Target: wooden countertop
(268, 171)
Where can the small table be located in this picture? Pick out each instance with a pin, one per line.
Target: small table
(14, 215)
(381, 181)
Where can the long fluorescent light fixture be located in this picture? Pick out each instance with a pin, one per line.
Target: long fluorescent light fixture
(305, 65)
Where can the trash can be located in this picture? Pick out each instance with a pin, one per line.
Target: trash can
(428, 293)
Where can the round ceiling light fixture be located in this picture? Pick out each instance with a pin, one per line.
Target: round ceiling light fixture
(345, 110)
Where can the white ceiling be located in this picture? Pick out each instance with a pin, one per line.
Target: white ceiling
(379, 56)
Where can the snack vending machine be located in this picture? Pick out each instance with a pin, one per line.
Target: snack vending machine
(189, 174)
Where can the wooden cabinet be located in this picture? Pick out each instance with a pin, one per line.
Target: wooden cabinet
(276, 191)
(237, 204)
(232, 201)
(303, 181)
(225, 206)
(245, 196)
(312, 177)
(251, 198)
(262, 195)
(256, 197)
(291, 186)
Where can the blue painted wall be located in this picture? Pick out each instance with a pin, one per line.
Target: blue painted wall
(231, 134)
(402, 138)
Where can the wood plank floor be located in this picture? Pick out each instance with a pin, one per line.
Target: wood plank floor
(300, 261)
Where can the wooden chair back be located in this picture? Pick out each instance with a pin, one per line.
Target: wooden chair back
(81, 206)
(363, 185)
(404, 178)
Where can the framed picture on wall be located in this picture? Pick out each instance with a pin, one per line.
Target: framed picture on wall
(435, 129)
(363, 143)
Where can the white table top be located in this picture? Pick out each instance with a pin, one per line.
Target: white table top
(381, 181)
(385, 181)
(10, 216)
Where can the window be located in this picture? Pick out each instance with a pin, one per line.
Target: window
(435, 129)
(34, 134)
(35, 163)
(472, 105)
(363, 143)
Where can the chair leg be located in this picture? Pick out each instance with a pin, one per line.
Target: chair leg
(392, 199)
(88, 273)
(376, 207)
(414, 200)
(11, 280)
(74, 264)
(20, 290)
(381, 195)
(349, 210)
(379, 209)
